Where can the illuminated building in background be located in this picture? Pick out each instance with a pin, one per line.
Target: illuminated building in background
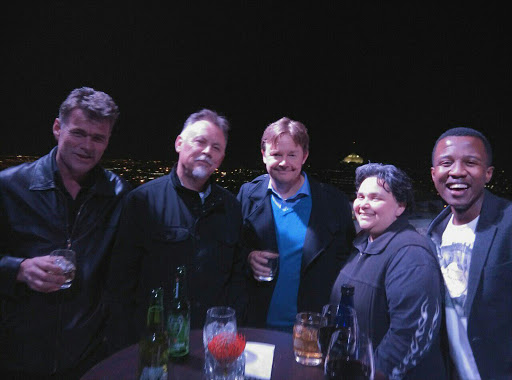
(353, 158)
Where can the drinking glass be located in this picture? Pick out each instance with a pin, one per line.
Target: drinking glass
(66, 260)
(305, 338)
(329, 311)
(350, 356)
(218, 319)
(225, 358)
(273, 264)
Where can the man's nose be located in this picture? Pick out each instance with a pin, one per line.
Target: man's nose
(458, 169)
(207, 150)
(88, 144)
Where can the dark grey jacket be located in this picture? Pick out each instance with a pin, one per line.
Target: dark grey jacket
(47, 333)
(399, 300)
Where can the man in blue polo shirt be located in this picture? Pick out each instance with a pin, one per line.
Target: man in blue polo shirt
(307, 224)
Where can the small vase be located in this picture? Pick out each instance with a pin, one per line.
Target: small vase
(215, 370)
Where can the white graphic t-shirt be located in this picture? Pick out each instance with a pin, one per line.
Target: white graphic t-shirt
(454, 259)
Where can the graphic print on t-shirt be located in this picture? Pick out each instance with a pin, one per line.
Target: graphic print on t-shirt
(454, 261)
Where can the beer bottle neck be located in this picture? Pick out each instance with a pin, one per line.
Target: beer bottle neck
(179, 289)
(155, 319)
(346, 312)
(155, 314)
(346, 300)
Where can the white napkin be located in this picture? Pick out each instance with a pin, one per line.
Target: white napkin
(258, 360)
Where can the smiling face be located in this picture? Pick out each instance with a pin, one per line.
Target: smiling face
(460, 173)
(81, 144)
(284, 161)
(375, 207)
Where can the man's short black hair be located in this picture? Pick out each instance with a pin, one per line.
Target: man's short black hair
(466, 131)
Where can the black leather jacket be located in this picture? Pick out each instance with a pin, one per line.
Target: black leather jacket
(48, 333)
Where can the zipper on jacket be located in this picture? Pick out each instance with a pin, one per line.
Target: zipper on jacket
(59, 306)
(355, 266)
(69, 235)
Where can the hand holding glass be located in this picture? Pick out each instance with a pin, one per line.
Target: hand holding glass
(272, 264)
(66, 260)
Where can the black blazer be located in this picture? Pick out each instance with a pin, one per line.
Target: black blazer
(326, 247)
(489, 298)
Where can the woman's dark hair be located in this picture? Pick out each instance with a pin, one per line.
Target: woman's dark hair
(392, 179)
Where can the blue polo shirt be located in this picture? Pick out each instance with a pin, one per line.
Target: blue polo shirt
(291, 218)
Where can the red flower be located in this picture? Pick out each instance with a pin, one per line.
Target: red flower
(226, 347)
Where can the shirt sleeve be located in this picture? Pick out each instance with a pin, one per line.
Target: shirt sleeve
(414, 293)
(9, 267)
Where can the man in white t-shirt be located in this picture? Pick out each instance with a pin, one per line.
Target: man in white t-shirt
(473, 239)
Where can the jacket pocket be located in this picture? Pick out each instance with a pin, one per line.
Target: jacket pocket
(497, 280)
(170, 235)
(167, 248)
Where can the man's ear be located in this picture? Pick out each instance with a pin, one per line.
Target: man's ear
(56, 129)
(178, 143)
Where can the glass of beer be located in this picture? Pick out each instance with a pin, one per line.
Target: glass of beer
(66, 260)
(305, 338)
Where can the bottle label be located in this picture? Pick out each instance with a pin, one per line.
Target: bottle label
(179, 329)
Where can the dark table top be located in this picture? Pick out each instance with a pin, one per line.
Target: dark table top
(123, 364)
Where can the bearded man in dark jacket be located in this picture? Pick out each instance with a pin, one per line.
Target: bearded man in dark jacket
(183, 218)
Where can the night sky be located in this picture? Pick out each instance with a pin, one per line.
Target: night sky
(381, 80)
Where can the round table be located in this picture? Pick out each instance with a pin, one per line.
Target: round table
(123, 364)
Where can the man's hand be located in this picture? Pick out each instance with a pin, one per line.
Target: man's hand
(258, 261)
(41, 274)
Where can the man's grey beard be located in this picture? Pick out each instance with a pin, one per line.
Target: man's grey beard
(200, 172)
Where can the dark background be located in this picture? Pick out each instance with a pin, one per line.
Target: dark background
(379, 80)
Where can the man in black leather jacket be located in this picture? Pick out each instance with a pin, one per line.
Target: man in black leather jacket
(62, 200)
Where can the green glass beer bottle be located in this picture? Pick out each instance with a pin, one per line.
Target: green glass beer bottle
(153, 347)
(178, 320)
